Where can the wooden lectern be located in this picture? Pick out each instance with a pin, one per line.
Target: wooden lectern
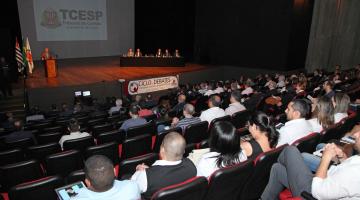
(50, 68)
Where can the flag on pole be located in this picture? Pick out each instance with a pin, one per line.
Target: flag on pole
(19, 57)
(29, 58)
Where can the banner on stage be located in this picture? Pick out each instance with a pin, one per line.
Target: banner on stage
(66, 20)
(152, 85)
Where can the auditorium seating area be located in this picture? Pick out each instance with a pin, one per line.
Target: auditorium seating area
(35, 167)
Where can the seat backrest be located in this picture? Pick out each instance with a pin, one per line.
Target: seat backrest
(227, 183)
(53, 129)
(150, 117)
(42, 125)
(21, 143)
(19, 172)
(101, 128)
(239, 119)
(80, 143)
(75, 176)
(308, 144)
(109, 150)
(148, 128)
(63, 163)
(43, 188)
(188, 149)
(128, 166)
(194, 188)
(117, 136)
(94, 122)
(48, 137)
(195, 133)
(39, 152)
(332, 133)
(136, 146)
(258, 180)
(219, 119)
(11, 156)
(160, 138)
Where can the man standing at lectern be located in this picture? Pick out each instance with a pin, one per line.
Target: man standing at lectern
(45, 55)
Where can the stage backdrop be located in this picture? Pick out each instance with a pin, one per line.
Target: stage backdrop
(78, 28)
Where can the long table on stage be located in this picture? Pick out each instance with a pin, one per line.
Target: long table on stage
(152, 62)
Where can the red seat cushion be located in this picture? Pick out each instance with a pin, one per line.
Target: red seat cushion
(286, 195)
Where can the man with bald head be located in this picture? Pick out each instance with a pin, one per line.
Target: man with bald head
(171, 169)
(214, 110)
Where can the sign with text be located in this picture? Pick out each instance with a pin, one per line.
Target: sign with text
(152, 85)
(64, 20)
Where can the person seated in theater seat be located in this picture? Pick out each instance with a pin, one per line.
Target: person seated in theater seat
(65, 110)
(328, 88)
(329, 182)
(171, 169)
(225, 149)
(297, 126)
(235, 105)
(74, 129)
(214, 110)
(248, 89)
(35, 115)
(188, 112)
(341, 102)
(264, 135)
(117, 107)
(181, 103)
(323, 115)
(19, 133)
(102, 184)
(135, 120)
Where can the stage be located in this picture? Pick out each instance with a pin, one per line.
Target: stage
(82, 71)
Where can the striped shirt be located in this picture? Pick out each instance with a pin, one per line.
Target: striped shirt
(187, 121)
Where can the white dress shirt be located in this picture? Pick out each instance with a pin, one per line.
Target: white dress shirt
(73, 135)
(233, 108)
(315, 125)
(294, 130)
(342, 181)
(207, 164)
(247, 91)
(212, 113)
(339, 116)
(140, 176)
(209, 92)
(219, 90)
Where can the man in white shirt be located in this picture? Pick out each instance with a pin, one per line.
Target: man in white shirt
(101, 183)
(248, 89)
(297, 127)
(75, 133)
(219, 88)
(214, 111)
(117, 107)
(235, 105)
(171, 169)
(337, 182)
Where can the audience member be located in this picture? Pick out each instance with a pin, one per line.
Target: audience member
(235, 105)
(337, 182)
(102, 184)
(297, 127)
(214, 110)
(328, 88)
(172, 168)
(341, 102)
(35, 115)
(188, 112)
(134, 120)
(323, 115)
(19, 133)
(65, 110)
(248, 89)
(225, 149)
(181, 103)
(264, 135)
(74, 129)
(117, 107)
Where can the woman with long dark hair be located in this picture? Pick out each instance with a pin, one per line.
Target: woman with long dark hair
(323, 115)
(225, 149)
(265, 136)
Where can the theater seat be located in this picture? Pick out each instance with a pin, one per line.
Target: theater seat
(259, 179)
(239, 119)
(75, 176)
(160, 138)
(20, 172)
(226, 118)
(195, 133)
(39, 189)
(308, 143)
(79, 144)
(49, 138)
(39, 152)
(227, 183)
(194, 188)
(11, 156)
(63, 163)
(136, 146)
(148, 128)
(109, 150)
(286, 195)
(128, 167)
(21, 143)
